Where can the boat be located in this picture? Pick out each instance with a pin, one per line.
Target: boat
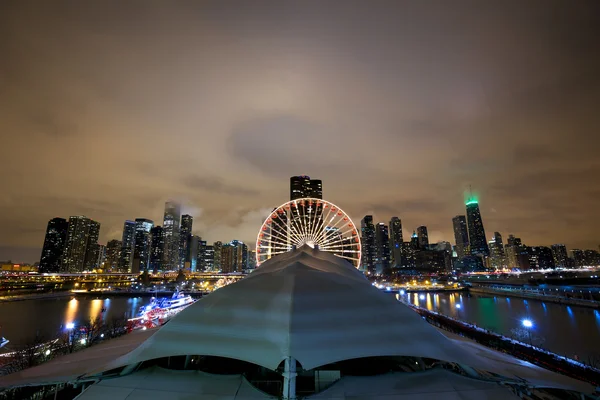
(178, 300)
(3, 342)
(159, 311)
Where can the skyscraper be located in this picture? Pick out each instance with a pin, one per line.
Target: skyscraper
(423, 237)
(559, 252)
(171, 257)
(73, 259)
(369, 251)
(142, 246)
(209, 258)
(516, 253)
(477, 241)
(382, 244)
(185, 236)
(497, 254)
(396, 241)
(461, 236)
(191, 254)
(302, 186)
(217, 250)
(113, 255)
(157, 245)
(316, 189)
(54, 245)
(92, 250)
(127, 247)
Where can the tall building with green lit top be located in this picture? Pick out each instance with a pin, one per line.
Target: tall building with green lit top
(478, 243)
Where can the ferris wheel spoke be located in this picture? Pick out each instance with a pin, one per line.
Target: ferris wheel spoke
(347, 258)
(277, 235)
(324, 219)
(338, 238)
(315, 217)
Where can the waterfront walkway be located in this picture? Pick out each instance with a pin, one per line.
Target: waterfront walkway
(523, 351)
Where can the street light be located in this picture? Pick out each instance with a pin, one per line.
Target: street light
(528, 324)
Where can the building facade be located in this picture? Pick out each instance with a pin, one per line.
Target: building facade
(54, 245)
(302, 186)
(369, 251)
(560, 255)
(396, 241)
(423, 237)
(157, 245)
(113, 255)
(185, 235)
(127, 247)
(76, 243)
(477, 241)
(382, 254)
(497, 259)
(171, 258)
(461, 236)
(142, 246)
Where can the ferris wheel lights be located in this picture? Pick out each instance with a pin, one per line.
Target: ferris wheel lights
(308, 221)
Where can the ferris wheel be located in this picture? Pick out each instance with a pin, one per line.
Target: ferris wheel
(311, 222)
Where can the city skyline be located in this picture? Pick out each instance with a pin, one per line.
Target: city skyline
(398, 118)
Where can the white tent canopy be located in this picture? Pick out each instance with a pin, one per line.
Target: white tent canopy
(427, 385)
(305, 304)
(163, 384)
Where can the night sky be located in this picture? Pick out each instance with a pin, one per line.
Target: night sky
(110, 108)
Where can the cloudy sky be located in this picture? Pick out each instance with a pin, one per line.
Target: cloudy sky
(110, 108)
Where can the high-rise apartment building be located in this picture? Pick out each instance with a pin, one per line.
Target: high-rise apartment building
(561, 258)
(461, 236)
(185, 235)
(101, 256)
(234, 257)
(157, 245)
(73, 259)
(142, 246)
(127, 247)
(217, 250)
(423, 237)
(369, 251)
(382, 245)
(92, 250)
(209, 258)
(540, 257)
(113, 255)
(302, 186)
(516, 253)
(497, 255)
(54, 245)
(191, 254)
(396, 241)
(171, 258)
(477, 241)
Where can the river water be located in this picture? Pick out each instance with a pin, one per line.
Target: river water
(567, 330)
(562, 329)
(20, 321)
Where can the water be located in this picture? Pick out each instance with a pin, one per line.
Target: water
(21, 320)
(565, 330)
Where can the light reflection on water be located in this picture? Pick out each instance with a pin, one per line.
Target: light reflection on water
(566, 330)
(20, 320)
